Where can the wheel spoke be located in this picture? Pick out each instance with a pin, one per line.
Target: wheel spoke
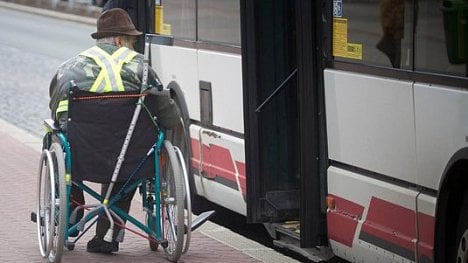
(462, 255)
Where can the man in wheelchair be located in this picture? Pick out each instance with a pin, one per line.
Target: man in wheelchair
(110, 67)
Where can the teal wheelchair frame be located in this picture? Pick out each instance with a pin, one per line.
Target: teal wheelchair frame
(165, 198)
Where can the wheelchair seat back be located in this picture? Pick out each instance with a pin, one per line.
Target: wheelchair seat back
(96, 130)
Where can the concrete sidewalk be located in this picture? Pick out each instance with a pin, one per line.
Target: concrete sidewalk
(19, 157)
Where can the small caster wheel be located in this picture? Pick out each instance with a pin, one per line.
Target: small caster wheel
(70, 246)
(164, 243)
(153, 245)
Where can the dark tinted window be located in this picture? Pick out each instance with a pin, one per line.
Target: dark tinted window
(441, 37)
(425, 35)
(373, 32)
(179, 18)
(219, 21)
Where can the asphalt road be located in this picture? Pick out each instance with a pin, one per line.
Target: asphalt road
(31, 49)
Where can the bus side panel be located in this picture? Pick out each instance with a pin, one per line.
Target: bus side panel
(426, 225)
(370, 123)
(441, 129)
(224, 72)
(179, 64)
(384, 229)
(219, 160)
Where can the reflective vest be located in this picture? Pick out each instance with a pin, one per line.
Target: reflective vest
(109, 78)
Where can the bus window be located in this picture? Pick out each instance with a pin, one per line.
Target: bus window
(219, 21)
(179, 19)
(375, 32)
(439, 49)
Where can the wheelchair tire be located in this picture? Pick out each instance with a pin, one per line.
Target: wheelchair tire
(187, 201)
(50, 206)
(173, 197)
(58, 158)
(43, 211)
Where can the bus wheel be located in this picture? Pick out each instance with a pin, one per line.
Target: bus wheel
(180, 137)
(462, 233)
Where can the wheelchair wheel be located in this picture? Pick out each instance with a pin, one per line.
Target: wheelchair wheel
(51, 203)
(60, 202)
(173, 196)
(187, 201)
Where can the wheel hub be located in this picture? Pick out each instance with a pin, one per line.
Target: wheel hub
(462, 254)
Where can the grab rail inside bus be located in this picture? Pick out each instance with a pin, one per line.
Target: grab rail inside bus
(276, 91)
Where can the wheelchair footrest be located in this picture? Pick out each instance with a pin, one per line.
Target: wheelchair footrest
(201, 219)
(34, 218)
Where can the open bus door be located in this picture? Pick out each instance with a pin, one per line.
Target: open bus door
(283, 135)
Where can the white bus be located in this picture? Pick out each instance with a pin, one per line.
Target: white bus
(341, 125)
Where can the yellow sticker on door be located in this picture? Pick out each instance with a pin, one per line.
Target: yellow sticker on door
(340, 37)
(341, 47)
(354, 51)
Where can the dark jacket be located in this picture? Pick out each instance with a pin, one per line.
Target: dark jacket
(83, 71)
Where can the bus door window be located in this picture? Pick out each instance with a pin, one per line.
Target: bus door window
(441, 37)
(219, 21)
(392, 21)
(177, 18)
(375, 32)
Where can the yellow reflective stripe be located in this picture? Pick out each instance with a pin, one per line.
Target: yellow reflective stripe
(62, 107)
(118, 52)
(99, 84)
(113, 74)
(109, 78)
(126, 57)
(107, 64)
(122, 55)
(130, 56)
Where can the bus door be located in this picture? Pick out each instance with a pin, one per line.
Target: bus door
(281, 124)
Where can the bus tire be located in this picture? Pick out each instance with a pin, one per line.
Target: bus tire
(461, 248)
(180, 137)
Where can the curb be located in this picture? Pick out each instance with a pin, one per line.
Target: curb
(49, 13)
(22, 136)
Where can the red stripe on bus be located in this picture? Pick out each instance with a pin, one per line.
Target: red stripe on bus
(195, 154)
(343, 220)
(242, 179)
(392, 223)
(426, 236)
(217, 162)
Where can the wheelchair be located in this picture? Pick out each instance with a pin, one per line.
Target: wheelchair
(112, 138)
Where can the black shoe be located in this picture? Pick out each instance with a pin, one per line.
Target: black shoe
(98, 245)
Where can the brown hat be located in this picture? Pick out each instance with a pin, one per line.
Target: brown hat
(115, 22)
